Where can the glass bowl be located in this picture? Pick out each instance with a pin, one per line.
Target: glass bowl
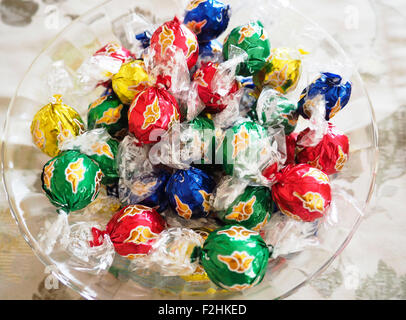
(116, 21)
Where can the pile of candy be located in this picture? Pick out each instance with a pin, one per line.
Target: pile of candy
(193, 147)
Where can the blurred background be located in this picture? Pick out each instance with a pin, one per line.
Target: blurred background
(372, 33)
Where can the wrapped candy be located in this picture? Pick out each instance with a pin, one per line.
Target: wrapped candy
(158, 199)
(130, 80)
(214, 100)
(71, 181)
(274, 110)
(253, 39)
(207, 19)
(152, 113)
(132, 231)
(281, 72)
(53, 124)
(189, 193)
(100, 68)
(301, 192)
(246, 148)
(108, 112)
(175, 34)
(329, 155)
(331, 87)
(98, 145)
(252, 209)
(234, 258)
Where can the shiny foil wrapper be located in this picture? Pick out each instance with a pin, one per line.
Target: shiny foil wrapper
(132, 230)
(110, 113)
(252, 39)
(281, 72)
(291, 148)
(152, 113)
(158, 199)
(189, 193)
(71, 181)
(207, 19)
(329, 155)
(175, 34)
(214, 101)
(302, 192)
(234, 258)
(53, 124)
(274, 110)
(246, 148)
(130, 80)
(329, 86)
(252, 209)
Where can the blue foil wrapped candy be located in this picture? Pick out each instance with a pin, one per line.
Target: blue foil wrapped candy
(335, 93)
(189, 192)
(207, 18)
(158, 200)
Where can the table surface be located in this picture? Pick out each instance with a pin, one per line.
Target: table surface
(373, 264)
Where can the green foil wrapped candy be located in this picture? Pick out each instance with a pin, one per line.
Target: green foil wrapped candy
(105, 154)
(71, 181)
(108, 112)
(252, 209)
(274, 110)
(245, 149)
(253, 39)
(234, 258)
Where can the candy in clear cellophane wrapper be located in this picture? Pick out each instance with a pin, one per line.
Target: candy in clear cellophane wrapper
(71, 181)
(214, 96)
(207, 19)
(152, 113)
(234, 258)
(139, 179)
(98, 145)
(185, 144)
(189, 193)
(174, 34)
(281, 72)
(131, 79)
(301, 191)
(132, 230)
(274, 110)
(100, 68)
(329, 155)
(253, 40)
(110, 113)
(53, 124)
(335, 91)
(246, 149)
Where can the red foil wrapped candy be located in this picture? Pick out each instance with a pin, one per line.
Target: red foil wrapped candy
(173, 33)
(152, 112)
(329, 155)
(132, 230)
(115, 51)
(214, 101)
(302, 192)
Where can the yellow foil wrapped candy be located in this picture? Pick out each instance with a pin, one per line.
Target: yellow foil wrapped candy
(130, 80)
(53, 124)
(282, 70)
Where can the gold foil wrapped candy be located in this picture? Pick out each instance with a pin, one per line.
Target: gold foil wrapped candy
(130, 80)
(53, 124)
(282, 70)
